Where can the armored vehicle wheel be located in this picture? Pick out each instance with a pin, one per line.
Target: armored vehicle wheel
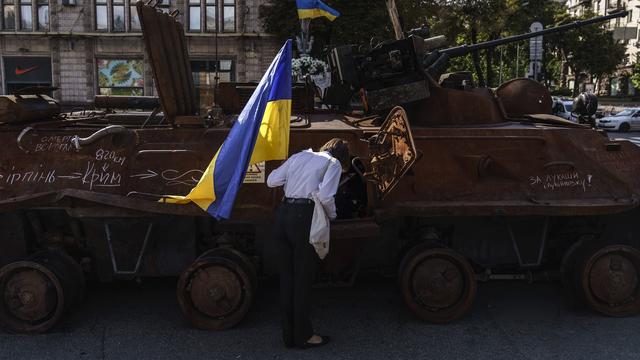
(67, 270)
(36, 292)
(32, 298)
(238, 257)
(437, 284)
(215, 292)
(610, 280)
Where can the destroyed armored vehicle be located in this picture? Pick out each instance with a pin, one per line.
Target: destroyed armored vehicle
(449, 185)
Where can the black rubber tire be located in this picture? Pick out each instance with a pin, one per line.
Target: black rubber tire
(624, 127)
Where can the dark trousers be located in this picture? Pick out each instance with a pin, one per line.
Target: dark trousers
(298, 266)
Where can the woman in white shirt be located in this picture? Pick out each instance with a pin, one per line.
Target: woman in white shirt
(301, 175)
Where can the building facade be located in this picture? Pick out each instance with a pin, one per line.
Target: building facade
(624, 30)
(91, 47)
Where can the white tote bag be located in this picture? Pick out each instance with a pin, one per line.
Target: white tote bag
(320, 228)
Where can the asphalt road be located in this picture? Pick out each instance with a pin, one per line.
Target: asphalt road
(510, 320)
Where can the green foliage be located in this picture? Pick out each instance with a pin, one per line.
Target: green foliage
(635, 75)
(360, 21)
(590, 49)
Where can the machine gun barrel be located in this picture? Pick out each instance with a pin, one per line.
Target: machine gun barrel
(466, 49)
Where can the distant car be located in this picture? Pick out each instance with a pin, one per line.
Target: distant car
(563, 109)
(625, 120)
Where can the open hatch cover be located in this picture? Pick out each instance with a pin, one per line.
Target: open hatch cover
(392, 151)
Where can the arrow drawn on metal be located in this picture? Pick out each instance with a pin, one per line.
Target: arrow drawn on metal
(72, 176)
(149, 174)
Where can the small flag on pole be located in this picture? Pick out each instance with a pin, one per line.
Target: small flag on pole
(261, 133)
(310, 9)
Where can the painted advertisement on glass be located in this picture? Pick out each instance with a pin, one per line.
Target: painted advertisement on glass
(120, 77)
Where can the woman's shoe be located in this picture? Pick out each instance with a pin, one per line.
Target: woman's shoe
(325, 341)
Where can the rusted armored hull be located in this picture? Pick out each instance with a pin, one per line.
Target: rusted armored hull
(512, 169)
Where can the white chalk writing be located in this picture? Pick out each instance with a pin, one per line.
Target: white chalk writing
(46, 176)
(100, 176)
(558, 181)
(54, 144)
(108, 155)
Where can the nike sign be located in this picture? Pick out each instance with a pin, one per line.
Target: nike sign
(24, 71)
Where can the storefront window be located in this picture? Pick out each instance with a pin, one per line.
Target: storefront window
(120, 77)
(204, 78)
(26, 71)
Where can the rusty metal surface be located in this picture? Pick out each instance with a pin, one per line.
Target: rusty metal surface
(14, 108)
(232, 97)
(126, 102)
(437, 284)
(32, 297)
(524, 96)
(215, 292)
(609, 279)
(166, 47)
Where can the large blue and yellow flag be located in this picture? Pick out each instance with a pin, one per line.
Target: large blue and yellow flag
(261, 133)
(309, 9)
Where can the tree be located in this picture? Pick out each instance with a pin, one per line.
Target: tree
(360, 21)
(635, 75)
(589, 50)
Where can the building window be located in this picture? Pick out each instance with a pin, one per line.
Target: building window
(112, 15)
(26, 16)
(204, 78)
(8, 15)
(43, 15)
(19, 14)
(120, 77)
(229, 11)
(212, 15)
(102, 20)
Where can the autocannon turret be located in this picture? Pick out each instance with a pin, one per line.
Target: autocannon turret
(403, 71)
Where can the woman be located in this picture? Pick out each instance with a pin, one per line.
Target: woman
(301, 175)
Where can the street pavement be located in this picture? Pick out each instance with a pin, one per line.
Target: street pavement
(510, 320)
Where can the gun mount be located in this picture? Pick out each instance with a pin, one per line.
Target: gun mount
(405, 71)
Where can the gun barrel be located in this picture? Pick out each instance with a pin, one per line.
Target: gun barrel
(466, 49)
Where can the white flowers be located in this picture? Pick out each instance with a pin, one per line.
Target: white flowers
(307, 65)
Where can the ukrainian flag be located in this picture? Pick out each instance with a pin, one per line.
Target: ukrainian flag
(260, 133)
(309, 9)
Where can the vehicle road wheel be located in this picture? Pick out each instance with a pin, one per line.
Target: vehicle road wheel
(36, 293)
(624, 127)
(32, 298)
(215, 292)
(437, 284)
(238, 257)
(609, 280)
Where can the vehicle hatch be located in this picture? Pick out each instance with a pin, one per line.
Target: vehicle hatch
(392, 151)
